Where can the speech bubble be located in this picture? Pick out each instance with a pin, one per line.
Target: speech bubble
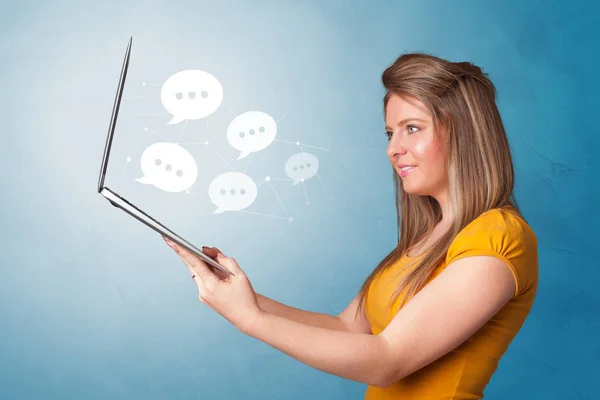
(301, 166)
(191, 94)
(168, 167)
(251, 131)
(232, 191)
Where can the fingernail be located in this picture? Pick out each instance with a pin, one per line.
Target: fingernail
(169, 242)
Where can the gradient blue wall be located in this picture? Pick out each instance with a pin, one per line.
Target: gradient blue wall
(93, 304)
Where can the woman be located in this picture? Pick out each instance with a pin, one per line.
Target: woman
(435, 316)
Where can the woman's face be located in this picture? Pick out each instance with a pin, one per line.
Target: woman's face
(409, 127)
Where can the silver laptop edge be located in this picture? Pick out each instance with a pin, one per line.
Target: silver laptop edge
(113, 117)
(118, 201)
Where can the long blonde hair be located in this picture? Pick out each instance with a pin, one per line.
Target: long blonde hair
(462, 101)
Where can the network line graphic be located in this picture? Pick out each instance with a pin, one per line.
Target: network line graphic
(192, 95)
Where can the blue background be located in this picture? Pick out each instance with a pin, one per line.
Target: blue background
(94, 305)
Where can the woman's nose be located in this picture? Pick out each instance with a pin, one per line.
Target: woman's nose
(395, 148)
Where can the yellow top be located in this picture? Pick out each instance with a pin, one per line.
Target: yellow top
(464, 372)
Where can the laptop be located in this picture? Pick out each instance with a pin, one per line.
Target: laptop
(119, 201)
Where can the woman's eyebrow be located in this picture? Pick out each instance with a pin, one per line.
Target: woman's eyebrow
(404, 121)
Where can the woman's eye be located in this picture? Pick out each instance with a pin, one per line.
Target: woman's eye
(410, 128)
(389, 135)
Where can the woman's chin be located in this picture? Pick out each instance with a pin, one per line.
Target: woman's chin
(412, 188)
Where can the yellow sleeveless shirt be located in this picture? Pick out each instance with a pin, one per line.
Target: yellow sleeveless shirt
(464, 372)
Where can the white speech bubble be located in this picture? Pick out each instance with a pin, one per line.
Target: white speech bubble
(191, 94)
(168, 167)
(251, 131)
(301, 166)
(232, 191)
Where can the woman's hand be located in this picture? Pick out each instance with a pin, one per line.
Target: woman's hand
(233, 297)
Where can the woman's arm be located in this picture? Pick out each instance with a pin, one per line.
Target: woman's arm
(346, 321)
(356, 356)
(441, 316)
(318, 320)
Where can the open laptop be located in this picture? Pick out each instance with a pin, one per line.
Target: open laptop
(120, 202)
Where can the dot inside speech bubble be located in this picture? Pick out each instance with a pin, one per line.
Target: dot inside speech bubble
(232, 191)
(301, 166)
(168, 167)
(191, 94)
(251, 131)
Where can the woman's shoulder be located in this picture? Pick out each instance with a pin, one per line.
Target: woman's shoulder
(504, 233)
(504, 223)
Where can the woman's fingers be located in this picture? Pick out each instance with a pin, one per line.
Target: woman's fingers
(210, 251)
(198, 266)
(228, 263)
(201, 269)
(194, 275)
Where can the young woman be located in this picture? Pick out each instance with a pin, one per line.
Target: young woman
(437, 314)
